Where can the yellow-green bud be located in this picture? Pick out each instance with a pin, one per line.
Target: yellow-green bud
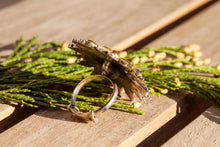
(135, 60)
(122, 54)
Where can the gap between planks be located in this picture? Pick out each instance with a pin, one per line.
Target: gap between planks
(187, 114)
(196, 32)
(203, 131)
(162, 23)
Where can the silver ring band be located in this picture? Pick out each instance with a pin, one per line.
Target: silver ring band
(91, 115)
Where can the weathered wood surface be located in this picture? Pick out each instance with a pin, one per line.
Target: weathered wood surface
(97, 20)
(201, 29)
(162, 23)
(202, 132)
(108, 22)
(198, 30)
(118, 128)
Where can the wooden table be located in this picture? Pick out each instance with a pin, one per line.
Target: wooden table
(119, 25)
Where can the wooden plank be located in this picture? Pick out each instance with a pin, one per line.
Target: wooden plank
(5, 111)
(187, 113)
(204, 131)
(114, 128)
(52, 20)
(195, 32)
(165, 21)
(66, 20)
(59, 128)
(200, 30)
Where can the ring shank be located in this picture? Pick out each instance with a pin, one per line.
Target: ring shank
(75, 110)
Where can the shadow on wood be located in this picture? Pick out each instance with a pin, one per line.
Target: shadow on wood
(6, 49)
(19, 114)
(188, 109)
(213, 116)
(169, 27)
(6, 3)
(63, 115)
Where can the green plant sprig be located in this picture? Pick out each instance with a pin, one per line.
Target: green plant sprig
(160, 74)
(45, 75)
(172, 50)
(36, 82)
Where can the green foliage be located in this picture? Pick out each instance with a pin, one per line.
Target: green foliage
(42, 75)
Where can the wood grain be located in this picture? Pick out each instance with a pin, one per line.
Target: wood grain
(115, 128)
(108, 22)
(203, 132)
(201, 30)
(53, 20)
(195, 31)
(165, 21)
(59, 128)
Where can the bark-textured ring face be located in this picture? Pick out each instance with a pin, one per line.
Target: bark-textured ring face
(107, 62)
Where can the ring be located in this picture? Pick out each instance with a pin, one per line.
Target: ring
(91, 115)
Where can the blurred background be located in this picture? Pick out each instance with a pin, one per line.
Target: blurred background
(105, 21)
